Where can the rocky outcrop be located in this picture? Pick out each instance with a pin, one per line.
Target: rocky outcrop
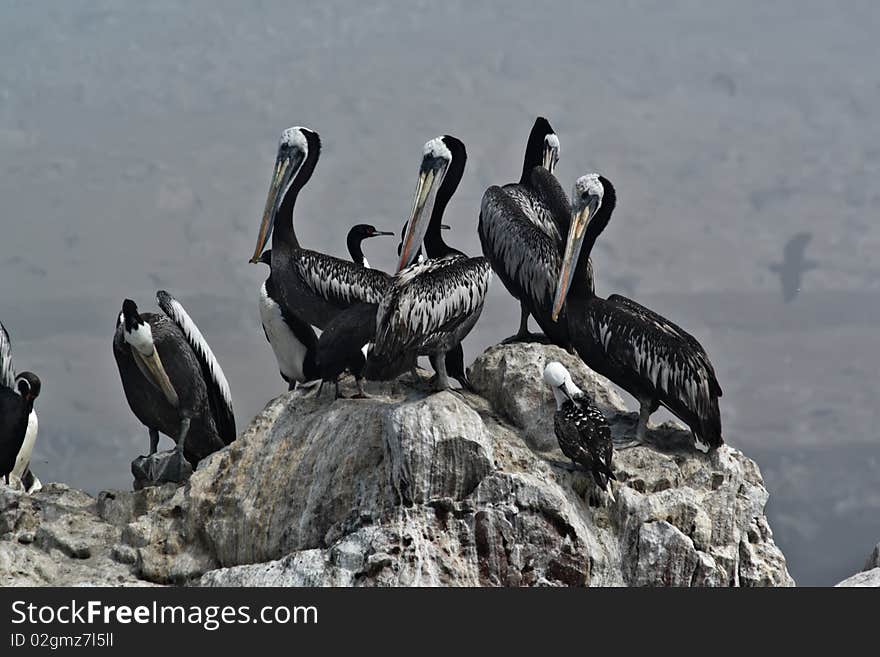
(407, 488)
(870, 575)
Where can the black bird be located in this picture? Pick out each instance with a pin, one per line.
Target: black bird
(429, 307)
(642, 352)
(581, 429)
(343, 345)
(18, 421)
(172, 381)
(311, 285)
(794, 265)
(293, 340)
(522, 228)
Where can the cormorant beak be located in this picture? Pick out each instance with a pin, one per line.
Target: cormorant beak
(281, 179)
(378, 233)
(580, 220)
(445, 227)
(157, 372)
(431, 175)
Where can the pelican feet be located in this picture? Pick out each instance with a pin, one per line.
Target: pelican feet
(528, 336)
(169, 466)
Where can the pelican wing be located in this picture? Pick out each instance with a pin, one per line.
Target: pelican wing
(7, 369)
(340, 282)
(656, 350)
(522, 252)
(219, 395)
(428, 299)
(649, 316)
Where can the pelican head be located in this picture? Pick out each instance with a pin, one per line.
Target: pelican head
(296, 146)
(557, 377)
(138, 335)
(551, 152)
(542, 149)
(440, 154)
(28, 385)
(590, 196)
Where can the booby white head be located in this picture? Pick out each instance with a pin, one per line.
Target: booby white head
(559, 380)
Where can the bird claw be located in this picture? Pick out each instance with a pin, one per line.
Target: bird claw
(627, 444)
(527, 337)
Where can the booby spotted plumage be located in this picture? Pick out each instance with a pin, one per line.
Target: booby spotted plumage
(581, 429)
(18, 420)
(522, 229)
(312, 286)
(172, 380)
(429, 307)
(654, 360)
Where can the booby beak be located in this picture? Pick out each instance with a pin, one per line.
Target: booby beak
(430, 176)
(580, 220)
(157, 372)
(281, 179)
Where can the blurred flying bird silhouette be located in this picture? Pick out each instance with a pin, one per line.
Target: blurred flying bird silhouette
(793, 266)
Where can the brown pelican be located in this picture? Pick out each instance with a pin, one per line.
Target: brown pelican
(172, 381)
(18, 421)
(311, 285)
(522, 227)
(651, 358)
(431, 306)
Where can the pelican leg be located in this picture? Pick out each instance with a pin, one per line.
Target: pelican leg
(320, 388)
(523, 334)
(181, 436)
(338, 394)
(291, 386)
(441, 380)
(154, 441)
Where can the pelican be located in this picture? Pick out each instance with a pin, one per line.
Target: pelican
(311, 285)
(651, 358)
(18, 420)
(581, 429)
(431, 306)
(293, 340)
(522, 227)
(172, 381)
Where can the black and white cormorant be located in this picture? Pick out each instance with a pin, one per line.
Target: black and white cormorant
(311, 285)
(645, 354)
(581, 429)
(18, 420)
(293, 340)
(522, 229)
(172, 381)
(431, 306)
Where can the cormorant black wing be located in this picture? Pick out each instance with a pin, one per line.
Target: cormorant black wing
(219, 395)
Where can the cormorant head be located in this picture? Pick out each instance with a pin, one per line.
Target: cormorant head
(28, 385)
(298, 150)
(361, 232)
(592, 201)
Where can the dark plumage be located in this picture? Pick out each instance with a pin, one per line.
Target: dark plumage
(341, 346)
(17, 395)
(581, 429)
(312, 286)
(522, 228)
(644, 353)
(172, 381)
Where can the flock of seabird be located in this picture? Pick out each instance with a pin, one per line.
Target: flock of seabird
(538, 241)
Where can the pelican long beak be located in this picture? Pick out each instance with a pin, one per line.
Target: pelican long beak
(419, 219)
(580, 219)
(273, 200)
(551, 157)
(157, 372)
